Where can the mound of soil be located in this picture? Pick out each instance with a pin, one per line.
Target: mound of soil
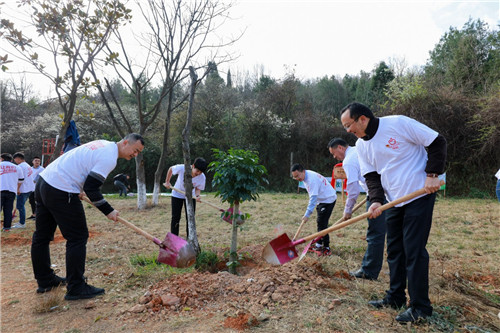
(247, 296)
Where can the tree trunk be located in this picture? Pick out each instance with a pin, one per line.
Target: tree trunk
(141, 182)
(161, 163)
(188, 182)
(233, 256)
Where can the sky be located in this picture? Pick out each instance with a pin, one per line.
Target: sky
(320, 38)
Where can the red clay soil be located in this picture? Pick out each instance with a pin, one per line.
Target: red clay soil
(259, 287)
(12, 238)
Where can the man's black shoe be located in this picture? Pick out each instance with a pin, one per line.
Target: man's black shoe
(359, 274)
(87, 291)
(411, 315)
(54, 283)
(384, 303)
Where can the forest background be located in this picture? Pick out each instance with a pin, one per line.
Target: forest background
(287, 120)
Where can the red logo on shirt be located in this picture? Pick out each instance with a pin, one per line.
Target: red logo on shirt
(393, 144)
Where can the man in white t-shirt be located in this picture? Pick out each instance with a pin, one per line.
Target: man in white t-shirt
(498, 184)
(11, 178)
(399, 155)
(78, 172)
(37, 168)
(178, 199)
(375, 234)
(25, 190)
(322, 196)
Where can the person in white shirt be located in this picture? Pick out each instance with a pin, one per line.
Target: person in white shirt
(375, 234)
(25, 190)
(78, 172)
(498, 184)
(37, 168)
(322, 196)
(399, 155)
(178, 199)
(11, 178)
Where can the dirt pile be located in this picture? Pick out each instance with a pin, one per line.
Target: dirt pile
(248, 296)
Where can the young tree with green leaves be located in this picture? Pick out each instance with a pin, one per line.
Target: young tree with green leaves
(237, 178)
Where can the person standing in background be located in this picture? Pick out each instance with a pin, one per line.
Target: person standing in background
(323, 197)
(178, 199)
(375, 234)
(11, 178)
(25, 190)
(498, 184)
(37, 168)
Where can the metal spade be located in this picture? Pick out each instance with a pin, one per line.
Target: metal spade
(282, 250)
(174, 251)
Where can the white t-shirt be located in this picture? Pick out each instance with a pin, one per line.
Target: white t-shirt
(69, 172)
(316, 184)
(498, 174)
(36, 172)
(28, 185)
(350, 164)
(198, 181)
(9, 176)
(397, 152)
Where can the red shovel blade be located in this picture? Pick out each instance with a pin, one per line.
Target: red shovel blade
(280, 250)
(176, 252)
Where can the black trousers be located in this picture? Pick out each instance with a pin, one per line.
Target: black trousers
(55, 208)
(7, 205)
(32, 203)
(324, 211)
(408, 229)
(176, 215)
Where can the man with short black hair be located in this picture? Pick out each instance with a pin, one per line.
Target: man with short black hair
(78, 172)
(37, 168)
(375, 234)
(11, 178)
(121, 181)
(25, 190)
(323, 197)
(198, 178)
(399, 155)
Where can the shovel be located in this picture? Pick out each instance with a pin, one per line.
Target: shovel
(340, 220)
(306, 248)
(174, 251)
(227, 214)
(282, 250)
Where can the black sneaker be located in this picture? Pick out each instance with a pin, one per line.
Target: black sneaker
(54, 283)
(87, 291)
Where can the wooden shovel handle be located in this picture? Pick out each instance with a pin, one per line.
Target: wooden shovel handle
(337, 222)
(205, 202)
(130, 225)
(365, 215)
(353, 210)
(298, 230)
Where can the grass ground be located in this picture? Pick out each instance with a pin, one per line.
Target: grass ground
(464, 247)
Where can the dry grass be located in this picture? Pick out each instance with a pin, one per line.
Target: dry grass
(464, 274)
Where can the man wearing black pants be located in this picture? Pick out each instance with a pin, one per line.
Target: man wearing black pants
(399, 155)
(178, 199)
(61, 185)
(322, 196)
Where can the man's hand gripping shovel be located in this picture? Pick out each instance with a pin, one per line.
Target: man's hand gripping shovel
(174, 251)
(282, 250)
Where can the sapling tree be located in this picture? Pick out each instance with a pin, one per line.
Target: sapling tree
(237, 178)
